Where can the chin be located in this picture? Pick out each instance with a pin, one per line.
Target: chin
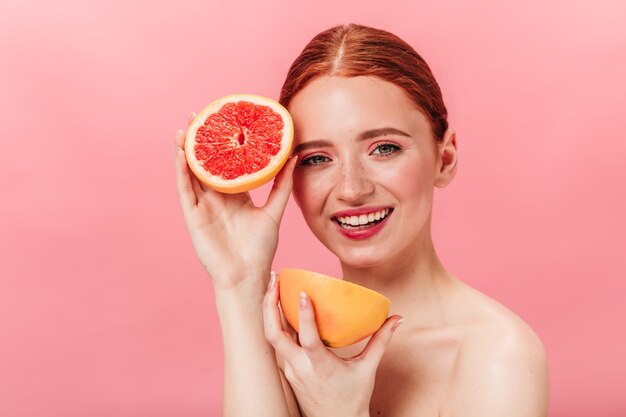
(360, 260)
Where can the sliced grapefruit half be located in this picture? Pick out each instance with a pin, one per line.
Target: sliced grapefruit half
(345, 312)
(239, 142)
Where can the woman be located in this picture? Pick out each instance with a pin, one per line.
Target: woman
(371, 143)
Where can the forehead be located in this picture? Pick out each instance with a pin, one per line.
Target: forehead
(333, 107)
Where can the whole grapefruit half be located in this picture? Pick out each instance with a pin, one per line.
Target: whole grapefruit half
(239, 142)
(345, 312)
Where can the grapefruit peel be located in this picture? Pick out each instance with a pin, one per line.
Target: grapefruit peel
(253, 133)
(345, 313)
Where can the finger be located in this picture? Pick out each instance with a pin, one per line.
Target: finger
(291, 332)
(281, 189)
(375, 349)
(187, 192)
(287, 326)
(192, 116)
(274, 332)
(180, 147)
(308, 335)
(198, 186)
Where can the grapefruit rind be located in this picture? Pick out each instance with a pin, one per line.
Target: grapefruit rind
(244, 182)
(346, 313)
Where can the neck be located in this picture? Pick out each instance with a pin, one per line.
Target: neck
(415, 281)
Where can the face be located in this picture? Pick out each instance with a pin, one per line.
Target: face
(367, 164)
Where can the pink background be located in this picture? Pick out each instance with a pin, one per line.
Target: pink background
(104, 309)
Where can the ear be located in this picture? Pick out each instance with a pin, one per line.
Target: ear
(446, 159)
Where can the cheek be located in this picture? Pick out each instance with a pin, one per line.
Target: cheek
(408, 177)
(308, 192)
(413, 181)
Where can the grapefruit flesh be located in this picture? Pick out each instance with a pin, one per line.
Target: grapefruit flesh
(345, 312)
(239, 142)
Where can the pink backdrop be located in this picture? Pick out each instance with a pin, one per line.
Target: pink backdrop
(104, 309)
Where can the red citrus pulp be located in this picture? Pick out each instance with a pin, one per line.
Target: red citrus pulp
(239, 142)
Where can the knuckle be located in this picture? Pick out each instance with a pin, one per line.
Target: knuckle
(289, 373)
(270, 334)
(267, 303)
(269, 331)
(307, 342)
(299, 371)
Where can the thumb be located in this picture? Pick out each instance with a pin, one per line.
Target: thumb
(375, 349)
(277, 200)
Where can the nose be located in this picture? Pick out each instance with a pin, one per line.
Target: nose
(354, 183)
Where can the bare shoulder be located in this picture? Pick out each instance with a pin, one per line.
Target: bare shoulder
(502, 366)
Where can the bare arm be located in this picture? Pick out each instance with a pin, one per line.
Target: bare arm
(236, 241)
(253, 385)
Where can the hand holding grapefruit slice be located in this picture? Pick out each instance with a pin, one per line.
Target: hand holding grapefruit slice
(239, 142)
(345, 312)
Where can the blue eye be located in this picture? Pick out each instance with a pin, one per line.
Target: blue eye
(315, 160)
(385, 149)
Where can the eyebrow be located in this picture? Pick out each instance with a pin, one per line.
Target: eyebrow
(367, 134)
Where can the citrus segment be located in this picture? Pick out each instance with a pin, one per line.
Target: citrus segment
(239, 142)
(345, 312)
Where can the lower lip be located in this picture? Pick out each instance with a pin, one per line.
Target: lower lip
(366, 233)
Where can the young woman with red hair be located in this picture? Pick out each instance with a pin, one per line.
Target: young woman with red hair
(371, 138)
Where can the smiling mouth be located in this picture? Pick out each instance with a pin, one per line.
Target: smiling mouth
(363, 221)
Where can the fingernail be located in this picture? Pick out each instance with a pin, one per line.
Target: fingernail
(179, 133)
(397, 324)
(303, 299)
(272, 283)
(192, 115)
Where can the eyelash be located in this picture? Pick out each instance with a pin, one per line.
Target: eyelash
(394, 148)
(308, 160)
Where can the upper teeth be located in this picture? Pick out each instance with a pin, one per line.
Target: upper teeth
(363, 218)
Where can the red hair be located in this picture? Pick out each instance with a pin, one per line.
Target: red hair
(353, 50)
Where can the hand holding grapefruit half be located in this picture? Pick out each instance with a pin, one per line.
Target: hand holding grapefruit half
(345, 312)
(239, 142)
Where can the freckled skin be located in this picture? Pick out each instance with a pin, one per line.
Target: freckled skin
(337, 109)
(459, 352)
